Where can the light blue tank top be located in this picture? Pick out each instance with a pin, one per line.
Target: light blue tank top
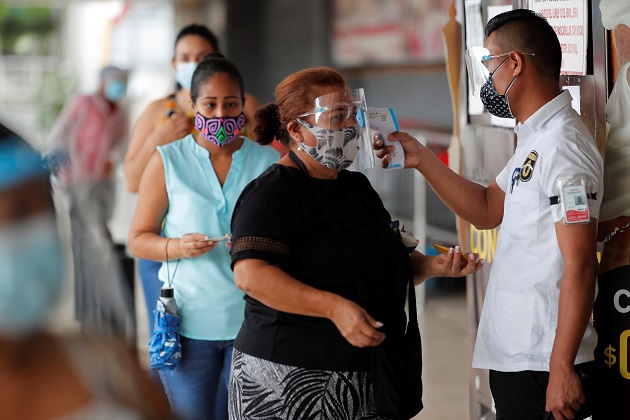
(209, 302)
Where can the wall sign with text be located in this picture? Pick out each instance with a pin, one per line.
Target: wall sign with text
(569, 18)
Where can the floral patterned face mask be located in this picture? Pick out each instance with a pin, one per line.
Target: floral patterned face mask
(336, 149)
(220, 131)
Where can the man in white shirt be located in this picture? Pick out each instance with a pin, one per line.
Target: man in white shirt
(534, 334)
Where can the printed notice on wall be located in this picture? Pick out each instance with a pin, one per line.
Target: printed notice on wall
(569, 18)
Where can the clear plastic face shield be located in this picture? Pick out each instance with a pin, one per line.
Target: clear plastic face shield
(477, 60)
(334, 111)
(343, 111)
(477, 64)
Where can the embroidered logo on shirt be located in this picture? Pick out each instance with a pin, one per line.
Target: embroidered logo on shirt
(528, 166)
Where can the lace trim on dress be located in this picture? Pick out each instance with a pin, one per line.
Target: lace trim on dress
(257, 243)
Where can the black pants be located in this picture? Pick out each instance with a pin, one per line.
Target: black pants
(522, 395)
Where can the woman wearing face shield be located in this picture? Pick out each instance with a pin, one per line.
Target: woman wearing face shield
(303, 349)
(44, 376)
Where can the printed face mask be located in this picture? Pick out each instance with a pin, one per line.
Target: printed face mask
(497, 105)
(336, 149)
(184, 73)
(220, 131)
(31, 274)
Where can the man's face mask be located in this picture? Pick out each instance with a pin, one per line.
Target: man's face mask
(496, 104)
(339, 127)
(115, 90)
(482, 85)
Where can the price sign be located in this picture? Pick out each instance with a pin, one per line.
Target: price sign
(610, 355)
(612, 321)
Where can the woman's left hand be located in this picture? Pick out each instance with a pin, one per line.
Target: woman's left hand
(452, 264)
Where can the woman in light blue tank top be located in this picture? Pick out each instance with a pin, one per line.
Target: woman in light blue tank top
(193, 184)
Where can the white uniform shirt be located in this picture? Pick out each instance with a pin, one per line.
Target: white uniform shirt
(520, 312)
(617, 176)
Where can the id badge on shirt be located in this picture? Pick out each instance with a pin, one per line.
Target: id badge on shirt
(575, 204)
(572, 199)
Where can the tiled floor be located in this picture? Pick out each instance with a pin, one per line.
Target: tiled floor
(445, 356)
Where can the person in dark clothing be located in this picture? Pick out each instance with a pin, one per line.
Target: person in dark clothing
(303, 348)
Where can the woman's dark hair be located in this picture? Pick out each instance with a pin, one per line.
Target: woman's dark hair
(211, 65)
(202, 31)
(525, 31)
(295, 95)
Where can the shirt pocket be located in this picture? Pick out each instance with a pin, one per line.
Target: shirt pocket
(511, 321)
(520, 219)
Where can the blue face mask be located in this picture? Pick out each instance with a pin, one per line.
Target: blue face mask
(31, 274)
(184, 73)
(115, 90)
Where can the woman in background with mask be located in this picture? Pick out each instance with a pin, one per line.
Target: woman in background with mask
(302, 351)
(164, 121)
(187, 195)
(171, 118)
(43, 376)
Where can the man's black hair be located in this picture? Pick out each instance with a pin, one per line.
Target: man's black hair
(525, 31)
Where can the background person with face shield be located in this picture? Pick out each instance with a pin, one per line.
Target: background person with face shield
(535, 334)
(85, 143)
(43, 376)
(305, 322)
(187, 196)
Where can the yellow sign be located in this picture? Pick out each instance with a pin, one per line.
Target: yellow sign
(610, 358)
(483, 242)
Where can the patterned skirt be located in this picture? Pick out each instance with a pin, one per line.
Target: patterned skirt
(260, 389)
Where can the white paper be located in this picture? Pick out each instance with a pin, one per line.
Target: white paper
(569, 18)
(575, 95)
